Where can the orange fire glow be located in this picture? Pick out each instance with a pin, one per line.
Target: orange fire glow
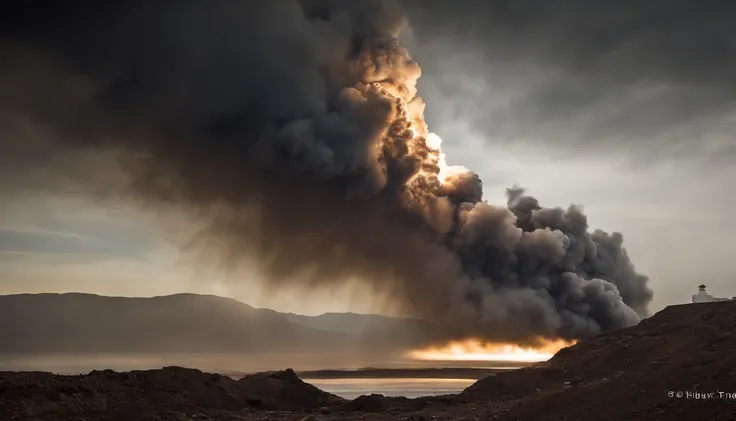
(477, 350)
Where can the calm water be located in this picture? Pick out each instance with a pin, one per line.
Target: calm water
(409, 387)
(345, 387)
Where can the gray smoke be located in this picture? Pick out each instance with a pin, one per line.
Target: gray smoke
(295, 130)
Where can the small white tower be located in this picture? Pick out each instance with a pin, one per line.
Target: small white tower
(703, 297)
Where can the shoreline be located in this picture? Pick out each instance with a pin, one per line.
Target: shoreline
(409, 373)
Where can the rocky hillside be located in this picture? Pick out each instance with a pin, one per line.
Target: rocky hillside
(629, 374)
(169, 393)
(647, 372)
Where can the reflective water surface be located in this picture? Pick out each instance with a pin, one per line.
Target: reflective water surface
(409, 387)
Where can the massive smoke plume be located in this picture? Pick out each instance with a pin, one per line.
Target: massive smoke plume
(295, 129)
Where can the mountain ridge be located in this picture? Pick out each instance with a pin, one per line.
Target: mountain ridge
(184, 322)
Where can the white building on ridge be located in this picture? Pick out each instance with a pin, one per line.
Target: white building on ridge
(704, 297)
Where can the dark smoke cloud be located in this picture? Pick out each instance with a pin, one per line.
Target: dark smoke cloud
(294, 130)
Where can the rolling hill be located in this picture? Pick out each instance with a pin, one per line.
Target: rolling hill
(177, 323)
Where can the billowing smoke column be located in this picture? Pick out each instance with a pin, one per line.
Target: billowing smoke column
(296, 131)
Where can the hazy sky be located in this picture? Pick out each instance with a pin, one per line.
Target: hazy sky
(626, 109)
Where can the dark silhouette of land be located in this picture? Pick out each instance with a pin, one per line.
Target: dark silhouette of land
(186, 323)
(647, 372)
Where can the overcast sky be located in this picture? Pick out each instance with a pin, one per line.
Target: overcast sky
(627, 108)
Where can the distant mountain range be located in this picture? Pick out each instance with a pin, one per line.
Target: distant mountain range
(185, 323)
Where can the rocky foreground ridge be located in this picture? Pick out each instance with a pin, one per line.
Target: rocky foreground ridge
(635, 373)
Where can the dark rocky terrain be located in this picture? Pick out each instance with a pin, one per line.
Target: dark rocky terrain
(621, 375)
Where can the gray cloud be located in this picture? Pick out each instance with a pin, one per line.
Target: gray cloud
(648, 80)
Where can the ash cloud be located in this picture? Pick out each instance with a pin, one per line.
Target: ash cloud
(295, 130)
